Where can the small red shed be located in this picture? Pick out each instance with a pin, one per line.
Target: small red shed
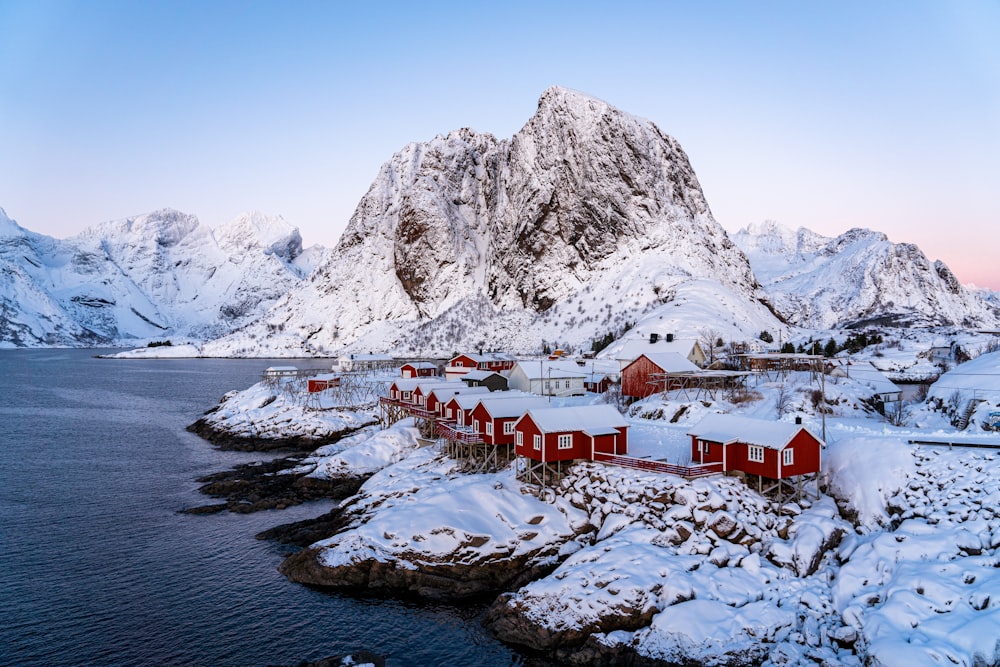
(776, 450)
(563, 434)
(419, 369)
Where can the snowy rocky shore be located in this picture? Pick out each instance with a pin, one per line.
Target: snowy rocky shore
(272, 416)
(896, 562)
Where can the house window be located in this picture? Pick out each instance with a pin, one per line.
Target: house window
(459, 363)
(567, 384)
(546, 384)
(508, 428)
(704, 447)
(406, 395)
(475, 426)
(461, 418)
(519, 439)
(489, 428)
(755, 453)
(450, 411)
(538, 442)
(566, 441)
(787, 457)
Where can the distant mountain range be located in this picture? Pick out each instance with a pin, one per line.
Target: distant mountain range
(585, 222)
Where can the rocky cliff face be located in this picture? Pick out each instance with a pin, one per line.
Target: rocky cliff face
(153, 276)
(586, 218)
(857, 278)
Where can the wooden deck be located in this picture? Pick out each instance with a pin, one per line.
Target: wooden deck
(688, 472)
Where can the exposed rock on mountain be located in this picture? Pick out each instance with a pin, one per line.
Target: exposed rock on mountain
(153, 276)
(586, 218)
(858, 278)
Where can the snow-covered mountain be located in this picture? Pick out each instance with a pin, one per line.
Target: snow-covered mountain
(586, 219)
(859, 277)
(149, 277)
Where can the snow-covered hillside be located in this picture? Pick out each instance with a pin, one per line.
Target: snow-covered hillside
(860, 277)
(587, 218)
(150, 277)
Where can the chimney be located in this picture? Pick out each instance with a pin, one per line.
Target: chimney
(670, 338)
(653, 337)
(798, 420)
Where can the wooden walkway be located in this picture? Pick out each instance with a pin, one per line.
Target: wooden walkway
(688, 472)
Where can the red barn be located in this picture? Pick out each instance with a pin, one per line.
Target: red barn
(775, 450)
(494, 418)
(639, 378)
(563, 434)
(418, 369)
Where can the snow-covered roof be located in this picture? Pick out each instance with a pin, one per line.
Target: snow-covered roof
(511, 407)
(281, 369)
(873, 377)
(600, 419)
(420, 364)
(477, 375)
(468, 400)
(670, 362)
(484, 357)
(406, 384)
(631, 348)
(731, 428)
(556, 369)
(445, 393)
(427, 385)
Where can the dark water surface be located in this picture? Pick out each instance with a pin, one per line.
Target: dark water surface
(98, 568)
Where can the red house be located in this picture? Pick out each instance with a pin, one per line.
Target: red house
(401, 389)
(643, 376)
(439, 396)
(489, 361)
(419, 369)
(775, 450)
(563, 434)
(494, 418)
(426, 386)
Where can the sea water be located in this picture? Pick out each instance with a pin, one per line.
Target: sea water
(98, 567)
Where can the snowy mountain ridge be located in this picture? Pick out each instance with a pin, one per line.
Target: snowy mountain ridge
(585, 219)
(857, 278)
(147, 277)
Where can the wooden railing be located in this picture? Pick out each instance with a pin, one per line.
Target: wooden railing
(697, 470)
(450, 431)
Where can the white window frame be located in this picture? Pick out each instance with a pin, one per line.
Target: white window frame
(519, 438)
(475, 426)
(704, 446)
(787, 456)
(489, 428)
(565, 441)
(508, 428)
(538, 442)
(755, 453)
(407, 395)
(451, 412)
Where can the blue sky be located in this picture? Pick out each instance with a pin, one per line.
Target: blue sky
(828, 115)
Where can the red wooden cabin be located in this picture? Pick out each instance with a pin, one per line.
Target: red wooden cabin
(488, 361)
(494, 418)
(639, 377)
(776, 450)
(563, 434)
(438, 397)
